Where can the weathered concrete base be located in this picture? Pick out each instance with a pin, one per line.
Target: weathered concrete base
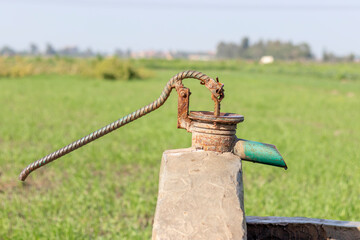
(300, 228)
(200, 196)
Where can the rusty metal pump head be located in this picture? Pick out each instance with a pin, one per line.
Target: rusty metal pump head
(215, 131)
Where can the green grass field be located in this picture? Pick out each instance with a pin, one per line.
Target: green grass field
(108, 189)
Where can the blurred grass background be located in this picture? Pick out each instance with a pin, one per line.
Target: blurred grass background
(108, 188)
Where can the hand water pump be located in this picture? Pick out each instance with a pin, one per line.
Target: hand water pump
(200, 188)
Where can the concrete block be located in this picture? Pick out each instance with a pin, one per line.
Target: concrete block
(200, 196)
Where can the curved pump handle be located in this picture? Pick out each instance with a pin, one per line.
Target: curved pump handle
(184, 98)
(217, 93)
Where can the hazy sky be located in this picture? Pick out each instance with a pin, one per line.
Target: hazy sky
(179, 25)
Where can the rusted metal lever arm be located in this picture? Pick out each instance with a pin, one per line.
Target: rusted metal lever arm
(215, 88)
(183, 103)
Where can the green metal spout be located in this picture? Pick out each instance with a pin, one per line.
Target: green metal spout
(259, 153)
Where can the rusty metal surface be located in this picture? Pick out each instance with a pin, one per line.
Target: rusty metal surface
(214, 133)
(214, 86)
(183, 102)
(226, 118)
(183, 108)
(213, 142)
(217, 99)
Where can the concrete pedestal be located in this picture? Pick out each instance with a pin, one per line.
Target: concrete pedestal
(200, 196)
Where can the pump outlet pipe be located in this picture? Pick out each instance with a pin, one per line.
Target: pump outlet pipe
(258, 152)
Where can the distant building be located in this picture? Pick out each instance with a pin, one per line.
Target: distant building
(151, 54)
(202, 56)
(266, 60)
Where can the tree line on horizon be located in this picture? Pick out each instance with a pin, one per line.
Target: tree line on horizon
(246, 50)
(50, 50)
(275, 48)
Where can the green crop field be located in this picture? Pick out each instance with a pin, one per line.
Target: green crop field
(108, 189)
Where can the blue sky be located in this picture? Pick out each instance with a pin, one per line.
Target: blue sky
(179, 25)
